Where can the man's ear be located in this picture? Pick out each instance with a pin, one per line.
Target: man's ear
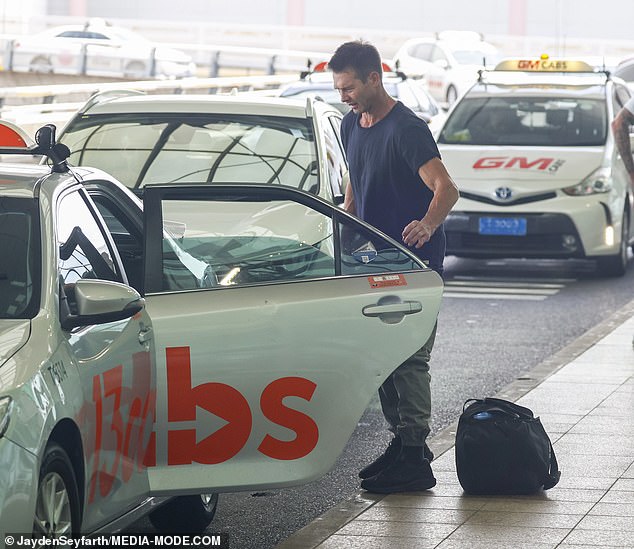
(375, 78)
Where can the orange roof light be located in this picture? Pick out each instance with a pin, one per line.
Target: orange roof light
(12, 136)
(321, 67)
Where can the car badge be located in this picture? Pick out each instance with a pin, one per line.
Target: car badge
(503, 193)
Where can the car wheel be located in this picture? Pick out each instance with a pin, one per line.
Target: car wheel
(57, 506)
(185, 513)
(135, 69)
(41, 64)
(452, 95)
(616, 265)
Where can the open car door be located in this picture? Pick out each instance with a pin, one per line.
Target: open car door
(276, 317)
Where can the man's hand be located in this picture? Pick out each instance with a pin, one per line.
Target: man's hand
(417, 232)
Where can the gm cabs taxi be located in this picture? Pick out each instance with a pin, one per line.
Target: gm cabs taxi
(155, 353)
(531, 150)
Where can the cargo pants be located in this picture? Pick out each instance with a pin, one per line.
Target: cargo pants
(406, 396)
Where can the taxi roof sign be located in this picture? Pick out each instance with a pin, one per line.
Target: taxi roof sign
(13, 137)
(545, 64)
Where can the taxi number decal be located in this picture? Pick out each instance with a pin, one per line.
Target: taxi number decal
(229, 404)
(384, 281)
(122, 443)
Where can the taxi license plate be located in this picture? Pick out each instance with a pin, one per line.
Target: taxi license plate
(514, 226)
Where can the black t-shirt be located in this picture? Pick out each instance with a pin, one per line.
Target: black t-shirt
(384, 160)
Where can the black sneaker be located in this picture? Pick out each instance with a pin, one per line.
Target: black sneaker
(387, 457)
(409, 472)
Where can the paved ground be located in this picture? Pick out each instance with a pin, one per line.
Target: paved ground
(584, 395)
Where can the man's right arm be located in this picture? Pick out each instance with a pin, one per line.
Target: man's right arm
(621, 129)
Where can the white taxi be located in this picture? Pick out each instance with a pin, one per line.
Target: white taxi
(156, 139)
(448, 63)
(196, 345)
(531, 150)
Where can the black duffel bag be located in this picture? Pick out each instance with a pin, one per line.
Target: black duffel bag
(502, 448)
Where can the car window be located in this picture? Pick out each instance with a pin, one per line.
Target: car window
(83, 250)
(438, 55)
(527, 121)
(21, 252)
(249, 241)
(423, 51)
(148, 149)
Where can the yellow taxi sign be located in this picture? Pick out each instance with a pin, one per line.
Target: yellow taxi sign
(544, 64)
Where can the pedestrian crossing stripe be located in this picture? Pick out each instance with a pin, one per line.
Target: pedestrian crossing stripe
(483, 288)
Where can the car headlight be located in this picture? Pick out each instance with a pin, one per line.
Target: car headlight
(597, 182)
(5, 413)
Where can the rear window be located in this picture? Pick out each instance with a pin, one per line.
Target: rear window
(149, 149)
(527, 121)
(20, 263)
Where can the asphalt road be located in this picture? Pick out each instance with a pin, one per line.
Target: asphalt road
(498, 320)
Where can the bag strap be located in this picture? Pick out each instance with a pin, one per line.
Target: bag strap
(554, 474)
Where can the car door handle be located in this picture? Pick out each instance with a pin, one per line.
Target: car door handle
(391, 309)
(145, 335)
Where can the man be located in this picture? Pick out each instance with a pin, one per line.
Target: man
(621, 129)
(399, 184)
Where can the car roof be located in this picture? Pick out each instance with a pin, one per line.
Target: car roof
(234, 104)
(504, 81)
(20, 180)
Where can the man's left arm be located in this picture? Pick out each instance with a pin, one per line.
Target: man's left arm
(435, 176)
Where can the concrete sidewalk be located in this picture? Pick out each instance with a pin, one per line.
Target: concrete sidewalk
(584, 396)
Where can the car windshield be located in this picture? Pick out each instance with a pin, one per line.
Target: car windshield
(521, 121)
(20, 264)
(150, 149)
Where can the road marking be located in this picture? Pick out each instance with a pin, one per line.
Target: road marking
(490, 288)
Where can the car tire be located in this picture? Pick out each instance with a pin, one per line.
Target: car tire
(57, 511)
(616, 265)
(451, 95)
(185, 514)
(41, 64)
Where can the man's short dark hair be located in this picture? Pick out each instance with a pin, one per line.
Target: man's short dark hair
(359, 56)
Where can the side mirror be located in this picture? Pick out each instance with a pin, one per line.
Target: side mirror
(102, 301)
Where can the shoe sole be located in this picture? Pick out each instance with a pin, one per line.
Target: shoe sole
(412, 486)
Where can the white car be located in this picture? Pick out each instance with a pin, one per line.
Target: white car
(201, 139)
(531, 150)
(189, 347)
(98, 49)
(448, 63)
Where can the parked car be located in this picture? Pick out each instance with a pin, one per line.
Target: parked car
(154, 139)
(138, 364)
(98, 49)
(411, 93)
(531, 150)
(448, 63)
